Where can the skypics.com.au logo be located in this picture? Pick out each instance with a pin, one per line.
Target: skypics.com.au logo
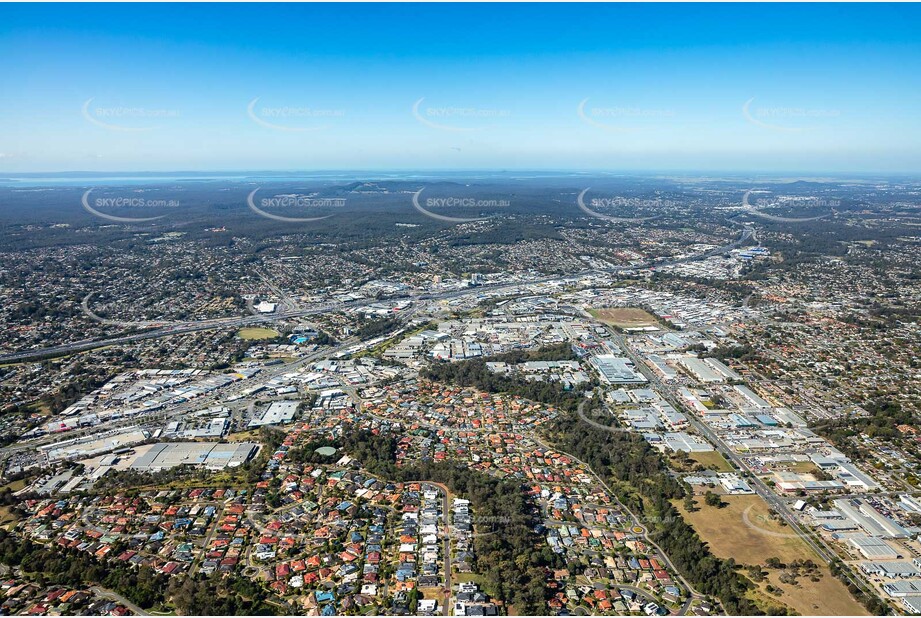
(126, 119)
(454, 203)
(756, 211)
(484, 525)
(620, 118)
(292, 119)
(787, 119)
(620, 203)
(452, 118)
(124, 202)
(290, 202)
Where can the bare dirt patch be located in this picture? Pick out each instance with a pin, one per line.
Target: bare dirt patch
(625, 317)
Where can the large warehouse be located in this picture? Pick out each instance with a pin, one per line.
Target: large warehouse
(617, 370)
(278, 413)
(211, 455)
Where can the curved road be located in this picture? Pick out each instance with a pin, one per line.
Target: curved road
(114, 596)
(636, 522)
(816, 543)
(237, 322)
(597, 425)
(85, 307)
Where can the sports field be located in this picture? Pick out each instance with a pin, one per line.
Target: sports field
(255, 334)
(625, 317)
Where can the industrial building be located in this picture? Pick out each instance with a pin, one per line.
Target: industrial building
(658, 363)
(912, 603)
(740, 421)
(734, 484)
(871, 520)
(911, 587)
(789, 417)
(751, 398)
(890, 570)
(681, 441)
(910, 504)
(721, 368)
(872, 548)
(211, 455)
(702, 371)
(94, 444)
(278, 413)
(792, 482)
(617, 370)
(850, 475)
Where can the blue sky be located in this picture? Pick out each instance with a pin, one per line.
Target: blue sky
(724, 87)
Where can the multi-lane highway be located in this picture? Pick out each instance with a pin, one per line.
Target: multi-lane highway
(288, 310)
(199, 403)
(252, 320)
(167, 331)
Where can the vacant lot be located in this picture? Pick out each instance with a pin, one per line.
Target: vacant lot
(7, 519)
(625, 317)
(803, 467)
(15, 485)
(712, 460)
(826, 597)
(253, 334)
(729, 536)
(250, 435)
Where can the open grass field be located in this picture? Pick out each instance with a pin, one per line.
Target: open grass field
(7, 519)
(729, 536)
(712, 460)
(255, 334)
(40, 407)
(250, 435)
(15, 485)
(803, 467)
(826, 597)
(467, 577)
(625, 317)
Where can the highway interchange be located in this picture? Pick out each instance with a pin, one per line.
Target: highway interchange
(286, 313)
(289, 310)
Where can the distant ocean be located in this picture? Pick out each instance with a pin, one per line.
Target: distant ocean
(87, 179)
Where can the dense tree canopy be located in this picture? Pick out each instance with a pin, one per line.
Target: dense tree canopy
(475, 373)
(626, 462)
(507, 548)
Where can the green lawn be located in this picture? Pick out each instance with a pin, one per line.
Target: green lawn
(255, 334)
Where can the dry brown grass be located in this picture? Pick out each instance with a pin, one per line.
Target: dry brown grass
(803, 467)
(826, 597)
(730, 537)
(725, 530)
(712, 460)
(625, 317)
